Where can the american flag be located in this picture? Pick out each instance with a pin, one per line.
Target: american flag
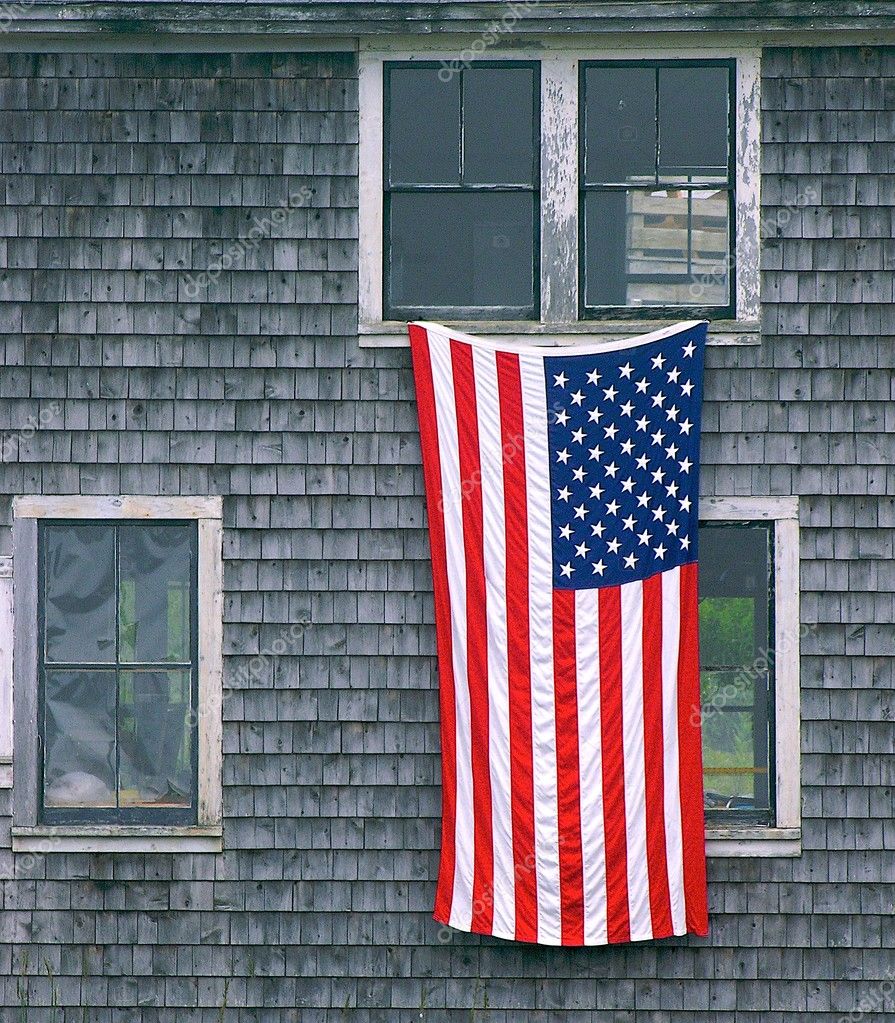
(562, 492)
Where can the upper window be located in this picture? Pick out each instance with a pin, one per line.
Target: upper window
(117, 666)
(461, 190)
(657, 187)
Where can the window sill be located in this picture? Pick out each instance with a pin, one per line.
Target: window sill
(107, 838)
(393, 334)
(753, 842)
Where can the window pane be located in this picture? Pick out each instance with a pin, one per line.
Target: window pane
(462, 250)
(155, 736)
(79, 593)
(735, 778)
(657, 248)
(619, 124)
(693, 121)
(423, 127)
(498, 126)
(79, 738)
(154, 592)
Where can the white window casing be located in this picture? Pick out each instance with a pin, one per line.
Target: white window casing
(559, 323)
(18, 688)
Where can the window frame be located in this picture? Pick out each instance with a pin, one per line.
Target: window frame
(29, 833)
(560, 321)
(783, 838)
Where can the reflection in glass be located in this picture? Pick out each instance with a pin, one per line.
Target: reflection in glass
(154, 605)
(79, 593)
(154, 734)
(79, 738)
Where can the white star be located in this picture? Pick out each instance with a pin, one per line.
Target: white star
(642, 424)
(596, 491)
(631, 561)
(628, 485)
(598, 529)
(627, 408)
(659, 514)
(613, 546)
(611, 430)
(579, 474)
(673, 375)
(629, 523)
(659, 475)
(685, 543)
(593, 377)
(564, 494)
(627, 370)
(642, 462)
(645, 537)
(562, 417)
(599, 568)
(685, 504)
(596, 453)
(563, 456)
(565, 532)
(610, 392)
(567, 570)
(672, 528)
(671, 489)
(660, 551)
(687, 387)
(659, 361)
(595, 415)
(577, 398)
(689, 349)
(612, 507)
(686, 426)
(644, 500)
(658, 437)
(671, 450)
(658, 399)
(578, 436)
(581, 549)
(628, 446)
(580, 511)
(642, 385)
(685, 465)
(561, 380)
(673, 412)
(611, 469)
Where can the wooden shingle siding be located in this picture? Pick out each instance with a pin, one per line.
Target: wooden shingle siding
(127, 177)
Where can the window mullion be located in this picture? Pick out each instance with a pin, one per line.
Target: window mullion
(559, 189)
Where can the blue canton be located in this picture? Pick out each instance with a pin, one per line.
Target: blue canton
(623, 433)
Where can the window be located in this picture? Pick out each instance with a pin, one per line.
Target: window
(560, 192)
(117, 685)
(657, 187)
(461, 190)
(749, 634)
(117, 671)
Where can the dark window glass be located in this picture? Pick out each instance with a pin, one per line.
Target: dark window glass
(118, 671)
(656, 188)
(736, 662)
(461, 227)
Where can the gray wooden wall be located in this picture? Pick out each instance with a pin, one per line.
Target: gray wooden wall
(125, 177)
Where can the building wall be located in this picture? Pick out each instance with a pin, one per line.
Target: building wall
(150, 369)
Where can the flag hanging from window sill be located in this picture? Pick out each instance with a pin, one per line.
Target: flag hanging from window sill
(562, 489)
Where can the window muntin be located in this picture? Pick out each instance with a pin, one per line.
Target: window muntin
(461, 190)
(118, 671)
(736, 591)
(657, 187)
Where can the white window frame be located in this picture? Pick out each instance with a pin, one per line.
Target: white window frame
(559, 256)
(27, 834)
(785, 838)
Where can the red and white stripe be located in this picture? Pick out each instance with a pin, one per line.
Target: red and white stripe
(572, 810)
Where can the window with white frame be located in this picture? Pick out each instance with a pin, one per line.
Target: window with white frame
(554, 192)
(117, 670)
(749, 659)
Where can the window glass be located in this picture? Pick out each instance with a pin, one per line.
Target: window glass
(461, 211)
(693, 134)
(118, 740)
(735, 587)
(619, 124)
